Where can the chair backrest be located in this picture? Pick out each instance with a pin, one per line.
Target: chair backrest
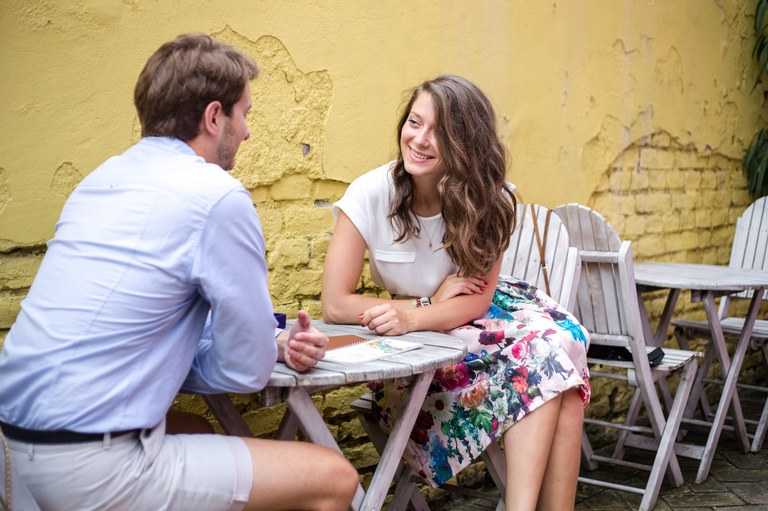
(750, 243)
(537, 227)
(606, 301)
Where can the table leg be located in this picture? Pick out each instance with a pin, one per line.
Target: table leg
(729, 395)
(398, 438)
(405, 490)
(721, 350)
(225, 412)
(657, 339)
(312, 423)
(289, 426)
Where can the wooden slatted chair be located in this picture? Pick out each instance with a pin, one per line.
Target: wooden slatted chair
(749, 251)
(607, 305)
(540, 253)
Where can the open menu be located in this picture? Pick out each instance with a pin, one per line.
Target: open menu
(351, 349)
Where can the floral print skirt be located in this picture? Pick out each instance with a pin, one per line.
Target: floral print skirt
(524, 352)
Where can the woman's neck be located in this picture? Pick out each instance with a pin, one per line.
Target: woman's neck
(426, 198)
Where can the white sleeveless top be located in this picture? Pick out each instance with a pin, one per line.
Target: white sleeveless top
(409, 268)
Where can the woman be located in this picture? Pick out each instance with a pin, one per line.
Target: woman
(436, 223)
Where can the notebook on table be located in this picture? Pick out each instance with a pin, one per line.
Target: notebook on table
(351, 349)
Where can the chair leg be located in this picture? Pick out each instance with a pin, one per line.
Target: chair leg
(587, 454)
(632, 413)
(668, 437)
(762, 426)
(665, 393)
(659, 425)
(497, 467)
(762, 423)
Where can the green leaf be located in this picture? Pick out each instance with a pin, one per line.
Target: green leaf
(760, 11)
(761, 181)
(759, 40)
(762, 54)
(755, 164)
(482, 419)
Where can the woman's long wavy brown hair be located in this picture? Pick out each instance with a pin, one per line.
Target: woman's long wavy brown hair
(477, 207)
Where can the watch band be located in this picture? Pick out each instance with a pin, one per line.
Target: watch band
(424, 301)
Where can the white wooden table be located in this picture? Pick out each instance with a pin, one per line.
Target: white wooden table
(706, 282)
(296, 388)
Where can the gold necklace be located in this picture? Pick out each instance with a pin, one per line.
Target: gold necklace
(431, 235)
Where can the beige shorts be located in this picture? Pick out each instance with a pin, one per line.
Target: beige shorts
(149, 472)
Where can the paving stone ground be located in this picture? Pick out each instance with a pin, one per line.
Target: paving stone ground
(737, 481)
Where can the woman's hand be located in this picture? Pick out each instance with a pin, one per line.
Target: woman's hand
(386, 319)
(305, 345)
(454, 285)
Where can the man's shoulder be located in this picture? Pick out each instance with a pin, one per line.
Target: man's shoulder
(167, 167)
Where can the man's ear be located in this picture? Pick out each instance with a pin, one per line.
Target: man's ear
(211, 122)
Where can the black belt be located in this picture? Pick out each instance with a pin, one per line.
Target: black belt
(60, 436)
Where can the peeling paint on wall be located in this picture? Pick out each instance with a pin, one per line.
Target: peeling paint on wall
(65, 178)
(288, 115)
(5, 192)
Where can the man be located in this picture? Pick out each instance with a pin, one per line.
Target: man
(147, 246)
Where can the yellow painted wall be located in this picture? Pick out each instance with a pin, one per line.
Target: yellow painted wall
(580, 87)
(639, 108)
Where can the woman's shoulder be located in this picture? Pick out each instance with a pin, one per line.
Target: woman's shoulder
(368, 193)
(376, 179)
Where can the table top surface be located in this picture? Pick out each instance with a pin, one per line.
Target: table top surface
(704, 277)
(438, 350)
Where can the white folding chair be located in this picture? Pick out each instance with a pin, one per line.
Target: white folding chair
(749, 251)
(607, 305)
(539, 252)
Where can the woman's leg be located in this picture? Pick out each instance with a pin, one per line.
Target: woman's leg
(558, 491)
(526, 451)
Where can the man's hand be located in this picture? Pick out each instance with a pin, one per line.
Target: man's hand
(305, 345)
(454, 285)
(386, 319)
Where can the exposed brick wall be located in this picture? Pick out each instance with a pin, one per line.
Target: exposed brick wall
(678, 204)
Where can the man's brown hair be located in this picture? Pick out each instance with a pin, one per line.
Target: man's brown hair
(182, 77)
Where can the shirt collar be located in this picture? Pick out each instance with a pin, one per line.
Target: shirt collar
(169, 143)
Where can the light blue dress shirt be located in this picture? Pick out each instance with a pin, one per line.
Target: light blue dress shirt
(146, 246)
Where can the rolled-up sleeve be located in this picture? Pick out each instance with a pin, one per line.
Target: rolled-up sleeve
(238, 350)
